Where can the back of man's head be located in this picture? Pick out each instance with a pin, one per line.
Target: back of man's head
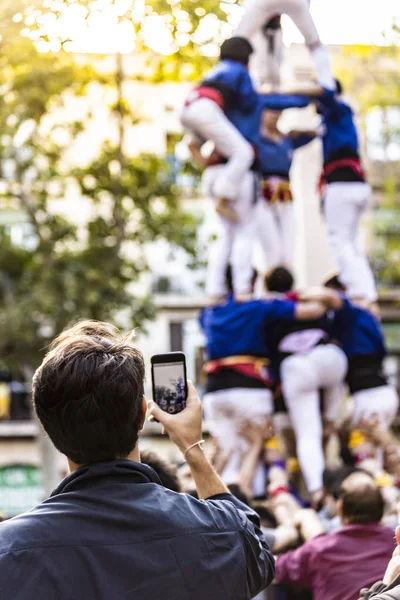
(361, 499)
(279, 280)
(236, 48)
(88, 393)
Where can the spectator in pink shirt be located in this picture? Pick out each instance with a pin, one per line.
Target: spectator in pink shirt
(336, 566)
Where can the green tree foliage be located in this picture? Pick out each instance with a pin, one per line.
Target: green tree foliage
(65, 268)
(184, 39)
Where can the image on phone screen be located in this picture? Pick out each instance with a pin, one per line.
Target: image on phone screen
(170, 386)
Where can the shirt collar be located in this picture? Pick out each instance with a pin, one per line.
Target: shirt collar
(121, 469)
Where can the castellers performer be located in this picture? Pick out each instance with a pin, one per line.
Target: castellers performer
(239, 386)
(226, 109)
(308, 362)
(360, 334)
(275, 214)
(260, 25)
(346, 193)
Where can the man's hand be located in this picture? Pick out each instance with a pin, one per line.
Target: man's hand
(393, 568)
(184, 428)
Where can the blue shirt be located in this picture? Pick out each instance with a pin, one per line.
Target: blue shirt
(275, 157)
(235, 329)
(112, 531)
(248, 104)
(358, 331)
(249, 124)
(338, 121)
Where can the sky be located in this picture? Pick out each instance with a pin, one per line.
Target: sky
(349, 21)
(337, 21)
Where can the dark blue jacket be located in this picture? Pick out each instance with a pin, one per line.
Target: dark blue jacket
(340, 131)
(110, 531)
(275, 157)
(245, 105)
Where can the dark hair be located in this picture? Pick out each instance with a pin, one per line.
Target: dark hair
(236, 48)
(237, 491)
(333, 479)
(266, 515)
(333, 282)
(88, 393)
(279, 280)
(362, 503)
(166, 472)
(339, 87)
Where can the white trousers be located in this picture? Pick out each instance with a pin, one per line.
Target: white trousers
(344, 205)
(276, 232)
(382, 401)
(303, 375)
(258, 12)
(206, 119)
(226, 411)
(234, 241)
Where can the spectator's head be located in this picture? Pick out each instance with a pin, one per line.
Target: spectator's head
(237, 491)
(279, 280)
(266, 515)
(88, 393)
(236, 48)
(360, 500)
(270, 119)
(332, 480)
(333, 282)
(167, 473)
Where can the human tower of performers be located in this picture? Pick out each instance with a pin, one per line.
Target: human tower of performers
(287, 358)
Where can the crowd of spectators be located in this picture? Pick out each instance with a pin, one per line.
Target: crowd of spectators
(127, 524)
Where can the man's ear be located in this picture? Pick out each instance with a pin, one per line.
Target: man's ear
(144, 412)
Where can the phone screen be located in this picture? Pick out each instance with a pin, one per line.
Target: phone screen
(170, 386)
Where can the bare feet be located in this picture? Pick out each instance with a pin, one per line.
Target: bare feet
(225, 210)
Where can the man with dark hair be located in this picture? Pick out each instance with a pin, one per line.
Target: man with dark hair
(110, 530)
(336, 566)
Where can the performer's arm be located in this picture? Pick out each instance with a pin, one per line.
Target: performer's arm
(329, 298)
(308, 311)
(283, 101)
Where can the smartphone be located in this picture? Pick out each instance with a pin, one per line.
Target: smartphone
(168, 374)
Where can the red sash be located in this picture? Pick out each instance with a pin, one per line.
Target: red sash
(256, 368)
(206, 92)
(352, 163)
